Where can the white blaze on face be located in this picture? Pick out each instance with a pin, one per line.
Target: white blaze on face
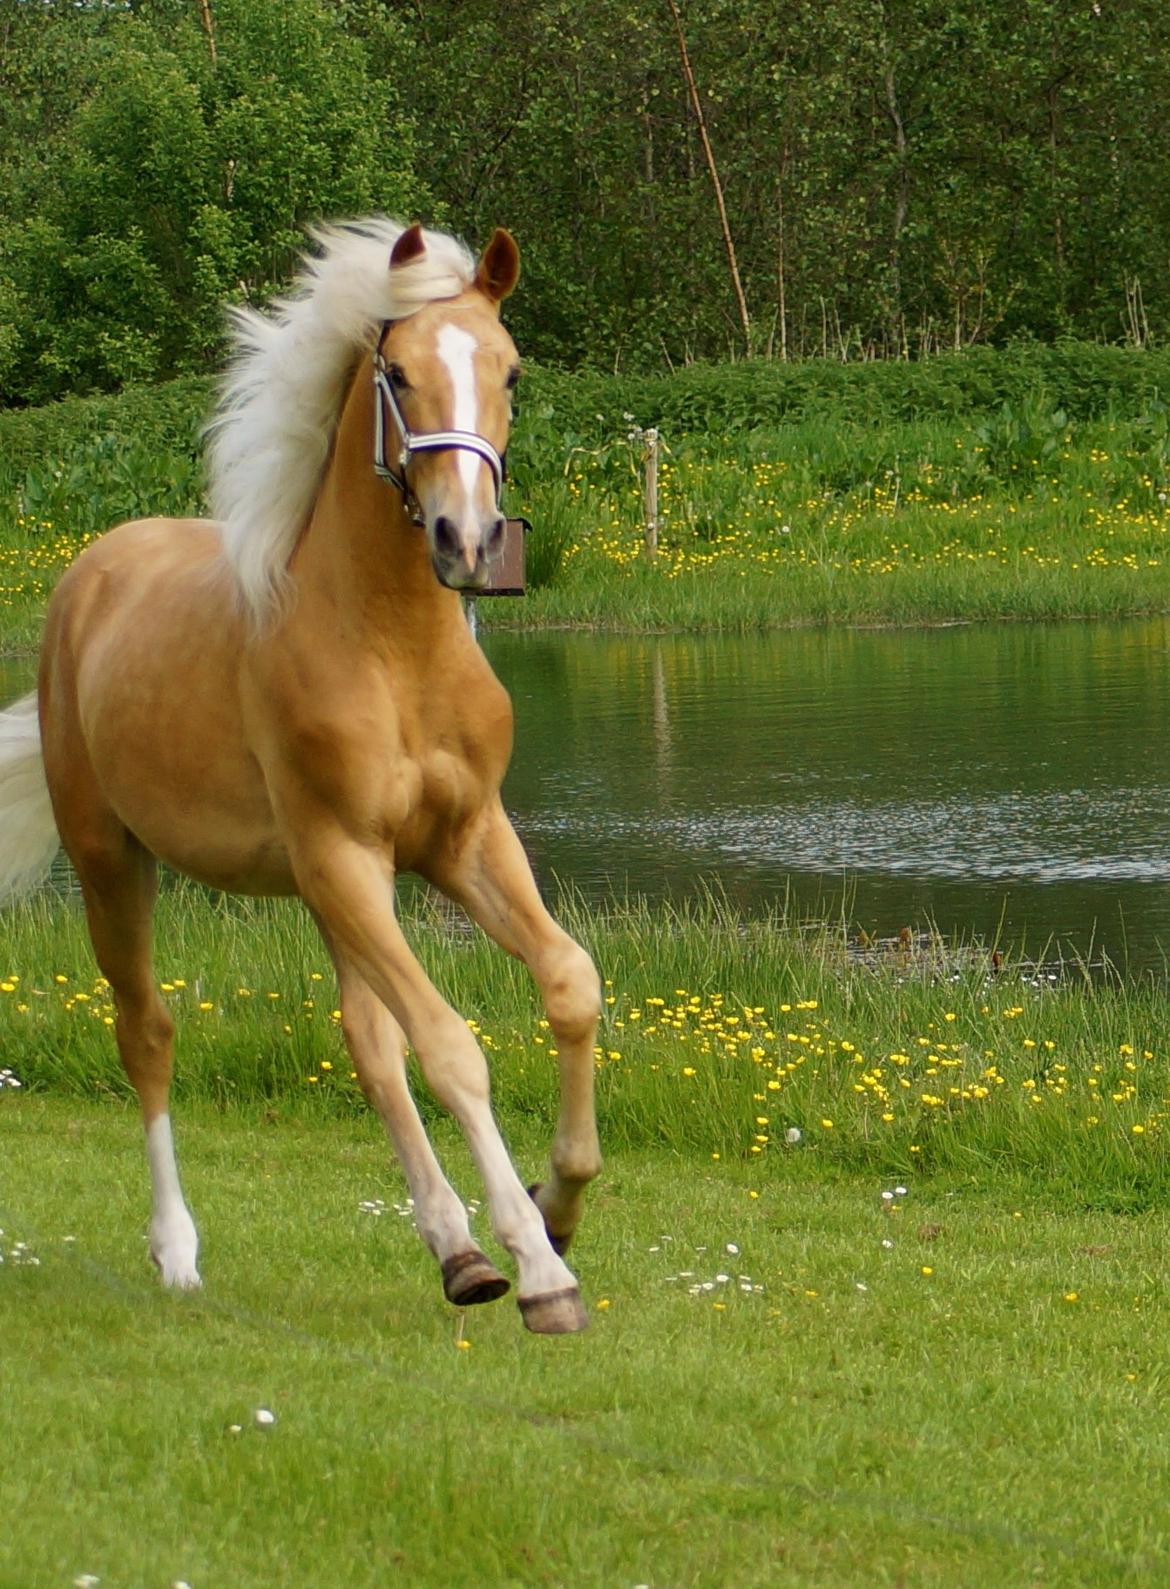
(457, 352)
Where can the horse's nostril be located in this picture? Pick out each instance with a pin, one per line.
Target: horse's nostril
(494, 539)
(446, 536)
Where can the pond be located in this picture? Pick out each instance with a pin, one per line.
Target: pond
(1009, 783)
(1004, 782)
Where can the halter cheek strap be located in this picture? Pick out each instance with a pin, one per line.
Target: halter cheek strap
(428, 441)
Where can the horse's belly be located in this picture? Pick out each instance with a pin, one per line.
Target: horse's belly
(192, 794)
(142, 664)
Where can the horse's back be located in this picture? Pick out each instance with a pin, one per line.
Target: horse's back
(140, 702)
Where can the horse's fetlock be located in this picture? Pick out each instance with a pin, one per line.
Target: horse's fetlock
(578, 1165)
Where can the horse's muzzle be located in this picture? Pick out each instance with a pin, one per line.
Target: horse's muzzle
(463, 564)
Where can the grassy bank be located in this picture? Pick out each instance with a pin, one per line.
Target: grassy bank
(954, 1384)
(874, 1268)
(720, 1039)
(1027, 483)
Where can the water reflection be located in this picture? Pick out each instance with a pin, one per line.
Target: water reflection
(1000, 779)
(1009, 780)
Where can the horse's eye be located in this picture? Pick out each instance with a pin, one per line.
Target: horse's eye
(397, 379)
(513, 377)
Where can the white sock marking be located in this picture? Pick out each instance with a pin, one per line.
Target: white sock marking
(173, 1241)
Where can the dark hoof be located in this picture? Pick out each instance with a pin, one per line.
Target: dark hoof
(468, 1279)
(555, 1313)
(559, 1244)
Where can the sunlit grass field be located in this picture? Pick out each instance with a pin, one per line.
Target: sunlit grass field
(1016, 515)
(876, 1270)
(919, 1380)
(876, 1264)
(767, 1044)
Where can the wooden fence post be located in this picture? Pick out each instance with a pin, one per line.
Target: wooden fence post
(650, 495)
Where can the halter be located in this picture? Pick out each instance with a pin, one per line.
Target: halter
(430, 441)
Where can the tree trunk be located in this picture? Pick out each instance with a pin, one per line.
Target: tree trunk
(728, 244)
(901, 207)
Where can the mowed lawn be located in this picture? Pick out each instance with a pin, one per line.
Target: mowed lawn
(798, 1377)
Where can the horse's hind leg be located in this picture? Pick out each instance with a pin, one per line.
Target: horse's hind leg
(492, 880)
(377, 1046)
(118, 882)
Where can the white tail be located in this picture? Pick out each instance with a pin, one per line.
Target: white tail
(28, 833)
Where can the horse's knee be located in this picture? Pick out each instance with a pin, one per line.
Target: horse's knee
(572, 993)
(454, 1067)
(145, 1022)
(577, 1162)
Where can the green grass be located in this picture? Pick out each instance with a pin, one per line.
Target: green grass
(944, 1386)
(1022, 514)
(960, 489)
(955, 1386)
(718, 1038)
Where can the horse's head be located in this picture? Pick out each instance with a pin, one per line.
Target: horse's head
(445, 377)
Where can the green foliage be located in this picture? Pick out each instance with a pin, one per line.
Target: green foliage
(899, 180)
(160, 183)
(107, 480)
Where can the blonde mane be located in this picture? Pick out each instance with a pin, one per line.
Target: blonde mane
(273, 425)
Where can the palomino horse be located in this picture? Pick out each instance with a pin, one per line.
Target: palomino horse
(289, 701)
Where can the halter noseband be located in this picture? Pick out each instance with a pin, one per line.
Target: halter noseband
(430, 441)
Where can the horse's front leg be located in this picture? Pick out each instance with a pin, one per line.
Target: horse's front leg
(349, 887)
(377, 1046)
(489, 875)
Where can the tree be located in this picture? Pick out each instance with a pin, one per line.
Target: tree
(169, 180)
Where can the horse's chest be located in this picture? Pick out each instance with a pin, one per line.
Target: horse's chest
(438, 795)
(457, 758)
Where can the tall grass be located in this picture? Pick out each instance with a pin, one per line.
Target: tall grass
(1022, 509)
(719, 1037)
(802, 495)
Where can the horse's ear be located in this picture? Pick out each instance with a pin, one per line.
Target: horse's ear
(409, 246)
(499, 269)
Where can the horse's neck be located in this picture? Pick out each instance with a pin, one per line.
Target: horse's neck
(361, 554)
